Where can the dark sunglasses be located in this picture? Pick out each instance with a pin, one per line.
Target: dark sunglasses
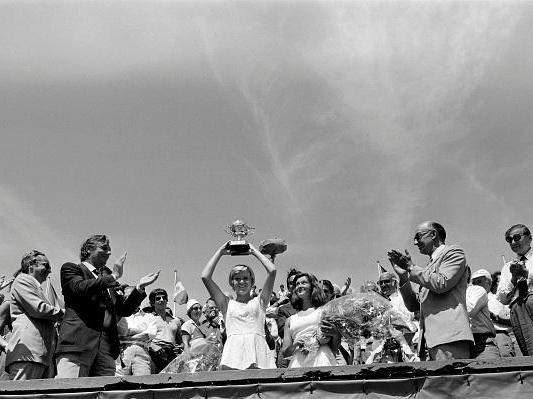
(514, 237)
(164, 298)
(420, 234)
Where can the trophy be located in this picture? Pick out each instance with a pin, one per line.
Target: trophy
(238, 230)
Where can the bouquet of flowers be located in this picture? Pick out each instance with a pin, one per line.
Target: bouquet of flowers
(360, 315)
(206, 359)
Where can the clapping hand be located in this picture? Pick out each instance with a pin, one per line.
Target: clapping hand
(401, 263)
(518, 271)
(148, 279)
(118, 266)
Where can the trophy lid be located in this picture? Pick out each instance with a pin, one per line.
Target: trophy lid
(273, 246)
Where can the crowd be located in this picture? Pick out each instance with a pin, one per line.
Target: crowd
(438, 311)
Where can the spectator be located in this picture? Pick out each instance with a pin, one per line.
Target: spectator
(283, 294)
(213, 324)
(388, 286)
(30, 348)
(301, 342)
(246, 346)
(444, 323)
(166, 344)
(327, 288)
(477, 305)
(135, 333)
(501, 318)
(285, 310)
(192, 329)
(515, 285)
(88, 338)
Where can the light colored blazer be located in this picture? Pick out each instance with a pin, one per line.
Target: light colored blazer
(441, 297)
(33, 319)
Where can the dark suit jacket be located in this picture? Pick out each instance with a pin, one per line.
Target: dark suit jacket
(86, 299)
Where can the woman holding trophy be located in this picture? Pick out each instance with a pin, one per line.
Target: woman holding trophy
(244, 316)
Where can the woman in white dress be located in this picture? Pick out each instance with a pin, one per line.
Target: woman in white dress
(244, 316)
(307, 341)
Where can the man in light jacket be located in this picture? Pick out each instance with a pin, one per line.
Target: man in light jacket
(440, 295)
(30, 348)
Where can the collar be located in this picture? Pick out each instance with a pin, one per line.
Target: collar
(528, 254)
(31, 278)
(91, 268)
(437, 252)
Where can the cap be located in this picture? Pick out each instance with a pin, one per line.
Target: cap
(191, 303)
(481, 273)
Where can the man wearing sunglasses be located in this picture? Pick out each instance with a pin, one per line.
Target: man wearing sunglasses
(441, 293)
(515, 285)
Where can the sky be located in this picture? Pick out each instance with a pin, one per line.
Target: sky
(337, 126)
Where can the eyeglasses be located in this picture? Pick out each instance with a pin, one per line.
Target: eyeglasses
(383, 282)
(420, 234)
(196, 308)
(161, 297)
(514, 237)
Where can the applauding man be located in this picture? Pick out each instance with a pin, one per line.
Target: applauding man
(88, 338)
(516, 286)
(441, 299)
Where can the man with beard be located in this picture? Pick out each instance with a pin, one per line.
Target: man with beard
(88, 338)
(441, 298)
(515, 285)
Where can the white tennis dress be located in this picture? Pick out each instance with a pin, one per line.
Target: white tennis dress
(245, 346)
(301, 324)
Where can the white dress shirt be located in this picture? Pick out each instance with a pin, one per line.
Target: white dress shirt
(506, 292)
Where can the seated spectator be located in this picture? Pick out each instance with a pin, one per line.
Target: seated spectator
(30, 348)
(477, 305)
(135, 333)
(166, 344)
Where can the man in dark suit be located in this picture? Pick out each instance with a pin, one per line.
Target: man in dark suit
(88, 339)
(439, 294)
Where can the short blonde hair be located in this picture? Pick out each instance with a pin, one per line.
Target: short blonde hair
(239, 268)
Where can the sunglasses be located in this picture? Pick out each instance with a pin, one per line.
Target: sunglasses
(420, 234)
(164, 298)
(514, 237)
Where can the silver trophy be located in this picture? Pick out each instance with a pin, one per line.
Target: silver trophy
(238, 230)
